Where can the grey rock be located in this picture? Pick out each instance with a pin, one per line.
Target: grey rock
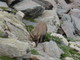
(51, 18)
(45, 4)
(49, 49)
(67, 26)
(52, 49)
(38, 57)
(68, 58)
(26, 4)
(14, 27)
(3, 4)
(30, 8)
(12, 47)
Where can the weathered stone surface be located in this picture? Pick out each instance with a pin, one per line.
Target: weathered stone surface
(26, 4)
(30, 8)
(63, 39)
(12, 47)
(3, 4)
(67, 26)
(68, 58)
(38, 57)
(51, 18)
(44, 3)
(49, 49)
(14, 27)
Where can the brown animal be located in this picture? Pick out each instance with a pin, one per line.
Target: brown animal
(39, 32)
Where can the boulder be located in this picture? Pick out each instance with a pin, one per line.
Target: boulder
(45, 3)
(3, 4)
(12, 47)
(13, 27)
(30, 8)
(68, 58)
(49, 49)
(38, 57)
(51, 18)
(68, 26)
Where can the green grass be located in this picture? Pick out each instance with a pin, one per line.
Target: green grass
(69, 52)
(48, 37)
(29, 28)
(5, 58)
(31, 19)
(4, 8)
(34, 52)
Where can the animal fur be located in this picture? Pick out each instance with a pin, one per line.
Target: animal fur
(39, 32)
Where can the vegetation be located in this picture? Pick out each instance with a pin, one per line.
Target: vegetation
(48, 37)
(31, 19)
(69, 52)
(70, 39)
(5, 58)
(29, 27)
(34, 52)
(7, 9)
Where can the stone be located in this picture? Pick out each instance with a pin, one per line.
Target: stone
(12, 47)
(26, 4)
(49, 50)
(51, 19)
(13, 27)
(3, 4)
(55, 52)
(68, 58)
(63, 39)
(45, 3)
(19, 15)
(38, 57)
(68, 26)
(30, 8)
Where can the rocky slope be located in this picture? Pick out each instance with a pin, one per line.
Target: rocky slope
(19, 17)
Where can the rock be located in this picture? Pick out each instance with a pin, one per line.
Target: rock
(12, 47)
(64, 5)
(75, 45)
(51, 18)
(63, 39)
(3, 4)
(26, 4)
(30, 8)
(68, 58)
(67, 26)
(49, 50)
(75, 12)
(12, 2)
(45, 3)
(38, 57)
(19, 15)
(55, 52)
(14, 27)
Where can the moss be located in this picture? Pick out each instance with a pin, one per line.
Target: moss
(5, 58)
(34, 52)
(4, 8)
(29, 27)
(31, 19)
